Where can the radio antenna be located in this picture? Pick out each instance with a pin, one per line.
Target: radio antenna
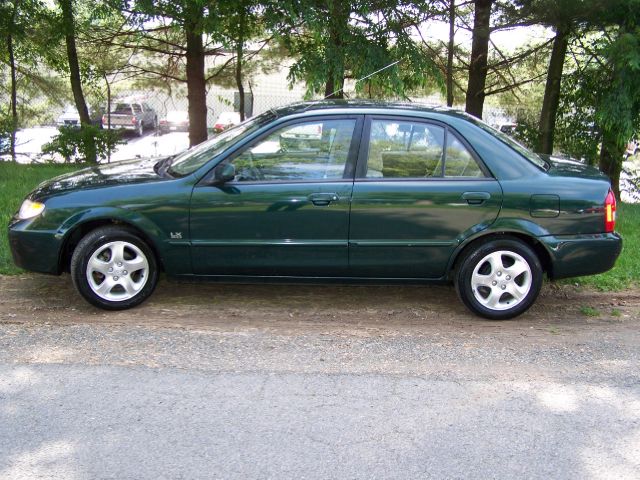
(363, 78)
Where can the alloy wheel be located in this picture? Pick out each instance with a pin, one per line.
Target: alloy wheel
(117, 271)
(501, 280)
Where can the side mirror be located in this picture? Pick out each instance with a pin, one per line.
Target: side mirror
(225, 173)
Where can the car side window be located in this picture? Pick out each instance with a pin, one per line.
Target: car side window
(314, 150)
(405, 149)
(136, 108)
(459, 162)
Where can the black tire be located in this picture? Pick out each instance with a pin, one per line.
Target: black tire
(140, 129)
(478, 297)
(100, 238)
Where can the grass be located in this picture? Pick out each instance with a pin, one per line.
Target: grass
(16, 181)
(589, 311)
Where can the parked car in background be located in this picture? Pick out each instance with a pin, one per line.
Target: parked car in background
(226, 120)
(132, 115)
(71, 118)
(175, 121)
(371, 192)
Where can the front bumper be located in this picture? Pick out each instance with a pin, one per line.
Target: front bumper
(578, 255)
(35, 250)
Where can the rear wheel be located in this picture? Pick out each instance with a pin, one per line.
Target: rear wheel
(140, 129)
(112, 268)
(499, 279)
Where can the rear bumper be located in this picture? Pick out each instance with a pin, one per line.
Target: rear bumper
(36, 251)
(578, 255)
(122, 127)
(166, 128)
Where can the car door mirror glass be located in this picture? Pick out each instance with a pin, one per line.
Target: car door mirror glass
(225, 173)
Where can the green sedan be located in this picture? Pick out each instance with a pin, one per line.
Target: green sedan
(328, 192)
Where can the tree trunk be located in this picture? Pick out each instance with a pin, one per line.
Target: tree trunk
(196, 84)
(106, 81)
(72, 56)
(239, 52)
(479, 54)
(452, 32)
(74, 73)
(552, 90)
(329, 87)
(14, 83)
(611, 155)
(14, 98)
(239, 81)
(338, 22)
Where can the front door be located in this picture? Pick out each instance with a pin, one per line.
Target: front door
(419, 191)
(286, 212)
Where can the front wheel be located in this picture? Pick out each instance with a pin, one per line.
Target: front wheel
(113, 269)
(499, 279)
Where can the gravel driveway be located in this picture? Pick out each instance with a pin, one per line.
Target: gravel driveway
(276, 381)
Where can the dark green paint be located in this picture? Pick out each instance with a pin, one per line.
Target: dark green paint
(400, 229)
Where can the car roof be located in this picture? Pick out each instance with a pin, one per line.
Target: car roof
(130, 99)
(364, 106)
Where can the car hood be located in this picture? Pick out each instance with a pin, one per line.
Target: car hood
(117, 173)
(563, 167)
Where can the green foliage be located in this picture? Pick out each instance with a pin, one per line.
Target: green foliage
(16, 181)
(28, 23)
(577, 134)
(6, 127)
(601, 93)
(589, 311)
(77, 144)
(335, 41)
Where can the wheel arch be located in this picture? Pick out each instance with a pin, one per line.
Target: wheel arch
(541, 251)
(78, 231)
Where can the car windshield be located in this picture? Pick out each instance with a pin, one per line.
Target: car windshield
(518, 147)
(191, 160)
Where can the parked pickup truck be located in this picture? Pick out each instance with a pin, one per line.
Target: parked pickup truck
(130, 115)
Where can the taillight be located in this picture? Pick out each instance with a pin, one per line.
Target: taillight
(134, 120)
(610, 212)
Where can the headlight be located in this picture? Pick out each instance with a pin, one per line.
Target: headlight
(30, 209)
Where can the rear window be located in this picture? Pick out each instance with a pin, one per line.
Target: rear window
(122, 108)
(518, 147)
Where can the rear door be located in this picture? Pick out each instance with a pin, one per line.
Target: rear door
(419, 191)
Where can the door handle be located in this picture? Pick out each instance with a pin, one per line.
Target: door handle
(476, 198)
(323, 199)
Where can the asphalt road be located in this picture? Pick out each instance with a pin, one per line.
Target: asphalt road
(296, 392)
